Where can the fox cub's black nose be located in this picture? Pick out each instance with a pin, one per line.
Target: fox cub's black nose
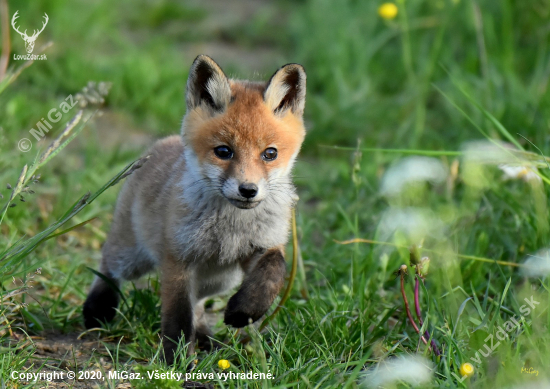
(248, 190)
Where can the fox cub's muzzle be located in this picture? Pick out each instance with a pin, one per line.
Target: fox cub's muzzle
(244, 195)
(248, 190)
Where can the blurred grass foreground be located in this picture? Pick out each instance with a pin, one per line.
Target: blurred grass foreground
(428, 125)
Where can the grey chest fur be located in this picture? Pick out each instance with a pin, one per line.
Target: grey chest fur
(218, 230)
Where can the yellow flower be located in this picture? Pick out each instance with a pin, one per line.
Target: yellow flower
(223, 364)
(467, 369)
(387, 11)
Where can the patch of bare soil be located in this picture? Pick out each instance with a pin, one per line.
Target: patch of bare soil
(57, 356)
(65, 354)
(223, 15)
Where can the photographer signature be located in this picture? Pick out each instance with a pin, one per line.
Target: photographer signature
(529, 370)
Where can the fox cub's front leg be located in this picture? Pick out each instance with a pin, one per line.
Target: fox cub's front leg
(177, 309)
(261, 285)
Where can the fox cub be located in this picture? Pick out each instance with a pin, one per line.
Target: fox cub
(211, 207)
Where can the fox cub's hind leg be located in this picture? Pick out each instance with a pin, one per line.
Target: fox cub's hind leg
(261, 285)
(101, 303)
(177, 313)
(117, 264)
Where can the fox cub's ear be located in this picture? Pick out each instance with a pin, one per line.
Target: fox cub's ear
(287, 90)
(207, 85)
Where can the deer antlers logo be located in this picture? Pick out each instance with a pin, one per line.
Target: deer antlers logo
(29, 40)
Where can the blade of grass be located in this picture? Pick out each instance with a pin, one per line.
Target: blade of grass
(504, 132)
(399, 151)
(70, 228)
(461, 256)
(15, 254)
(6, 46)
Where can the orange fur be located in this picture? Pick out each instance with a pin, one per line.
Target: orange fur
(249, 126)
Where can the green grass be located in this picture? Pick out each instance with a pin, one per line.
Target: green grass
(440, 75)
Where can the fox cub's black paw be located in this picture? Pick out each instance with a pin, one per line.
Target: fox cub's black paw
(241, 311)
(100, 306)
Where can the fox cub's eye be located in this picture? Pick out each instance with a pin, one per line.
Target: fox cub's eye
(269, 154)
(223, 152)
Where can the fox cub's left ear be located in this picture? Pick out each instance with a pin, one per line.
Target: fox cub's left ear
(207, 85)
(286, 90)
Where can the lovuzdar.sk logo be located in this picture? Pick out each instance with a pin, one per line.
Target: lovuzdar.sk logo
(29, 40)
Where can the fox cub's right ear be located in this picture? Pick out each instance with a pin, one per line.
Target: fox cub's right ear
(286, 90)
(207, 86)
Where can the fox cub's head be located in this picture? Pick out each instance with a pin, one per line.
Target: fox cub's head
(242, 137)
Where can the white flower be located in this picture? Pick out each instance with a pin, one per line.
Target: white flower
(487, 152)
(414, 370)
(537, 265)
(414, 223)
(525, 172)
(514, 163)
(412, 169)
